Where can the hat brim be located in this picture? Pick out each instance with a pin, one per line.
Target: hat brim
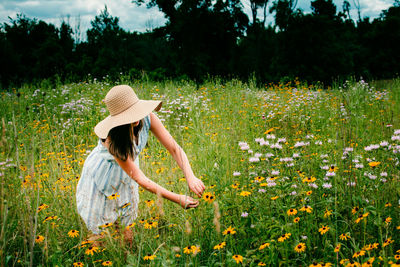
(133, 114)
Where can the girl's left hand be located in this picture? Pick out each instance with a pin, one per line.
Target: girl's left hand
(196, 185)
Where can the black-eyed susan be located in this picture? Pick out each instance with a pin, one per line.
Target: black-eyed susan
(296, 220)
(177, 255)
(397, 256)
(337, 248)
(106, 225)
(306, 208)
(309, 179)
(91, 250)
(291, 212)
(327, 213)
(359, 253)
(235, 185)
(187, 250)
(261, 264)
(208, 197)
(238, 258)
(126, 205)
(78, 264)
(130, 225)
(373, 164)
(388, 204)
(387, 242)
(245, 193)
(149, 257)
(369, 262)
(39, 239)
(73, 233)
(49, 218)
(299, 248)
(323, 229)
(344, 236)
(283, 237)
(315, 264)
(113, 196)
(355, 210)
(308, 193)
(42, 207)
(195, 249)
(220, 245)
(229, 231)
(149, 202)
(264, 245)
(106, 263)
(388, 220)
(274, 198)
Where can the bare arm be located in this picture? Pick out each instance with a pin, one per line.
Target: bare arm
(158, 129)
(136, 174)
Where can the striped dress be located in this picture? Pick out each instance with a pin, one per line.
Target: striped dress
(101, 180)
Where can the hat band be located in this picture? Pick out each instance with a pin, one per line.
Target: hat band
(115, 114)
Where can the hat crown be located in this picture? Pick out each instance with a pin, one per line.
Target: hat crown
(120, 98)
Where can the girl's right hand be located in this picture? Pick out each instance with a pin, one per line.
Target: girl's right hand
(187, 202)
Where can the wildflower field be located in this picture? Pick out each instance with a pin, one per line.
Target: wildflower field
(295, 175)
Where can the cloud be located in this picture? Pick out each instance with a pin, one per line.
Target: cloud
(131, 17)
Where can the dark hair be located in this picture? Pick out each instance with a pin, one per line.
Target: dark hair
(122, 139)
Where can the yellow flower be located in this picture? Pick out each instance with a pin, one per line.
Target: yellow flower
(229, 231)
(106, 263)
(333, 169)
(220, 245)
(78, 264)
(388, 220)
(387, 242)
(245, 193)
(238, 258)
(149, 257)
(359, 253)
(306, 208)
(125, 205)
(73, 233)
(130, 225)
(355, 210)
(106, 225)
(315, 264)
(178, 255)
(323, 229)
(235, 185)
(291, 212)
(309, 192)
(39, 239)
(208, 197)
(388, 204)
(149, 202)
(187, 250)
(284, 237)
(261, 264)
(269, 130)
(195, 250)
(264, 245)
(42, 207)
(113, 196)
(91, 250)
(274, 198)
(309, 179)
(296, 220)
(344, 236)
(301, 247)
(374, 164)
(337, 248)
(327, 213)
(369, 262)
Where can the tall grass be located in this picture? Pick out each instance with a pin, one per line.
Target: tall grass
(295, 175)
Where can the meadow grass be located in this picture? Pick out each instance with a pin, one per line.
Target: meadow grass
(295, 174)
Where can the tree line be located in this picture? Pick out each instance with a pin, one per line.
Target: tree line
(204, 38)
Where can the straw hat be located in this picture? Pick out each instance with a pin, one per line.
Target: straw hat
(124, 107)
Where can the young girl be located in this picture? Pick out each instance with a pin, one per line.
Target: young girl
(108, 187)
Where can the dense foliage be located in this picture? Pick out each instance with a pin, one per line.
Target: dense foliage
(209, 38)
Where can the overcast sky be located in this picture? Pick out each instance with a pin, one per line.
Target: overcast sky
(134, 18)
